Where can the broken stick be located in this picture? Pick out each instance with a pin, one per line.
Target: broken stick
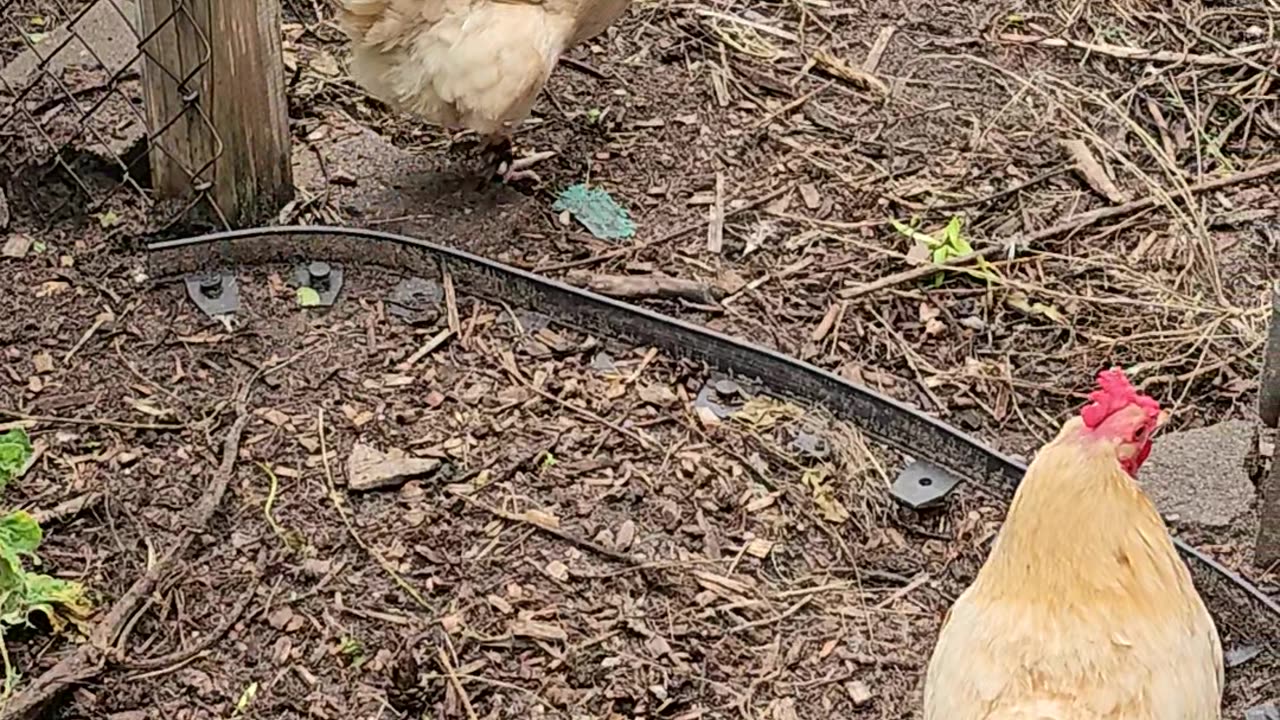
(648, 286)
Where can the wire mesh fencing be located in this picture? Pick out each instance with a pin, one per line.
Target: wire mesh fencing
(81, 118)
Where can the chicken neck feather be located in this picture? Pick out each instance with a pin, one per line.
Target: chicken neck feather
(1083, 610)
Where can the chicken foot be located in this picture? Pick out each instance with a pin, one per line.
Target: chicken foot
(505, 165)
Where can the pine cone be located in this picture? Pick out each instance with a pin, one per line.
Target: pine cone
(407, 693)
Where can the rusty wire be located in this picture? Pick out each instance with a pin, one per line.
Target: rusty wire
(74, 127)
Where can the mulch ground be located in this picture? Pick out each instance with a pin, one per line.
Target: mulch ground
(589, 545)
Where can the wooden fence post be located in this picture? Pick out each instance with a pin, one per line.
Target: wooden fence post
(228, 123)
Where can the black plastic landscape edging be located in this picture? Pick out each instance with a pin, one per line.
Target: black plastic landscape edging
(912, 432)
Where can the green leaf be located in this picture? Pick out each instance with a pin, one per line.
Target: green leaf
(15, 451)
(308, 297)
(108, 219)
(912, 233)
(246, 697)
(598, 212)
(19, 533)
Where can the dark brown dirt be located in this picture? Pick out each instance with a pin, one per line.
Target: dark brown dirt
(669, 99)
(651, 600)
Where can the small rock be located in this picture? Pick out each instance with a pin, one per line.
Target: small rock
(17, 246)
(370, 469)
(43, 363)
(859, 693)
(280, 617)
(412, 493)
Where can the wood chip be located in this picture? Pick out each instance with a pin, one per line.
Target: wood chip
(538, 630)
(275, 417)
(43, 363)
(715, 225)
(828, 322)
(1093, 172)
(872, 63)
(369, 468)
(759, 548)
(809, 194)
(626, 536)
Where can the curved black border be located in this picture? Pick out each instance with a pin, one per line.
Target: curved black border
(910, 431)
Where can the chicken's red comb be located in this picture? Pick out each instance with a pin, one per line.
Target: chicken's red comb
(1114, 393)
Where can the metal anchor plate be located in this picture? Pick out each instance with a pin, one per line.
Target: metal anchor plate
(323, 277)
(922, 485)
(215, 293)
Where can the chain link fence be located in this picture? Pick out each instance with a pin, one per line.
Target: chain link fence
(80, 117)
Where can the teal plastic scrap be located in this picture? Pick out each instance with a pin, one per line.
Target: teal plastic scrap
(597, 211)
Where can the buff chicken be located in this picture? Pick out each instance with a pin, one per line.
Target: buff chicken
(468, 64)
(1083, 610)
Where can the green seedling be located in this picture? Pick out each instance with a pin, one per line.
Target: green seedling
(947, 245)
(353, 650)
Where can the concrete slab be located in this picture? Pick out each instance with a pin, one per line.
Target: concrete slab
(1203, 476)
(65, 75)
(103, 31)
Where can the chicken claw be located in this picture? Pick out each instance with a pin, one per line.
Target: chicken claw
(518, 169)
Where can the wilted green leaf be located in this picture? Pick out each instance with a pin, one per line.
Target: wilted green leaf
(597, 211)
(308, 297)
(1019, 301)
(62, 602)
